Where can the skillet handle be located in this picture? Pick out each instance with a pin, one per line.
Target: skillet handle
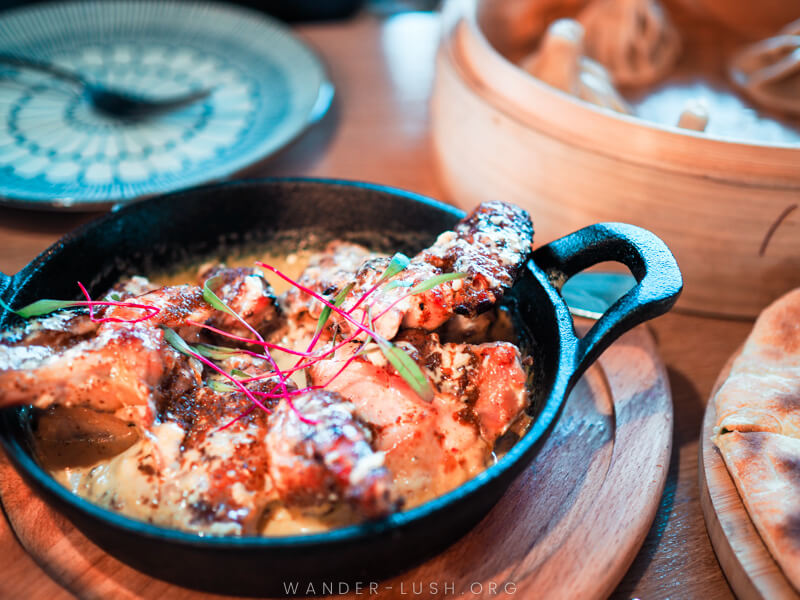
(659, 281)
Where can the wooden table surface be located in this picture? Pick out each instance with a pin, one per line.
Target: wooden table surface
(377, 130)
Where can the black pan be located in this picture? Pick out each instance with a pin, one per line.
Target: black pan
(204, 221)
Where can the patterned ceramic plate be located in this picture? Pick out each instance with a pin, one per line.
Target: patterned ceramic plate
(56, 151)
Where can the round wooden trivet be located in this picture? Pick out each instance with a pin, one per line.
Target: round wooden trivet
(569, 527)
(749, 567)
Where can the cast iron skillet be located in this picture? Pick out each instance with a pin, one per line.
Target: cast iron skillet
(198, 222)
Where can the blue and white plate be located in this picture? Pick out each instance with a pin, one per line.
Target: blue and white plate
(56, 151)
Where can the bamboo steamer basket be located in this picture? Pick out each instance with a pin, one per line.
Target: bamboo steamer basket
(726, 208)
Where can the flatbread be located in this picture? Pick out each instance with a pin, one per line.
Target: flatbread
(766, 469)
(758, 429)
(762, 391)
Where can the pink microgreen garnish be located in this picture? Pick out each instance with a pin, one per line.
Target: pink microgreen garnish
(219, 304)
(181, 346)
(405, 366)
(314, 294)
(92, 303)
(341, 370)
(314, 358)
(327, 383)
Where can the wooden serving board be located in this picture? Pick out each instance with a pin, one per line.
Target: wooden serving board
(569, 527)
(748, 565)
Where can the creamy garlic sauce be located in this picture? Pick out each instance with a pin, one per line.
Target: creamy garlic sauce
(283, 521)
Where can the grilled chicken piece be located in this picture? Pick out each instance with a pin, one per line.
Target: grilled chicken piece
(433, 447)
(59, 330)
(120, 366)
(490, 245)
(176, 305)
(219, 481)
(327, 462)
(429, 449)
(117, 368)
(489, 378)
(115, 365)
